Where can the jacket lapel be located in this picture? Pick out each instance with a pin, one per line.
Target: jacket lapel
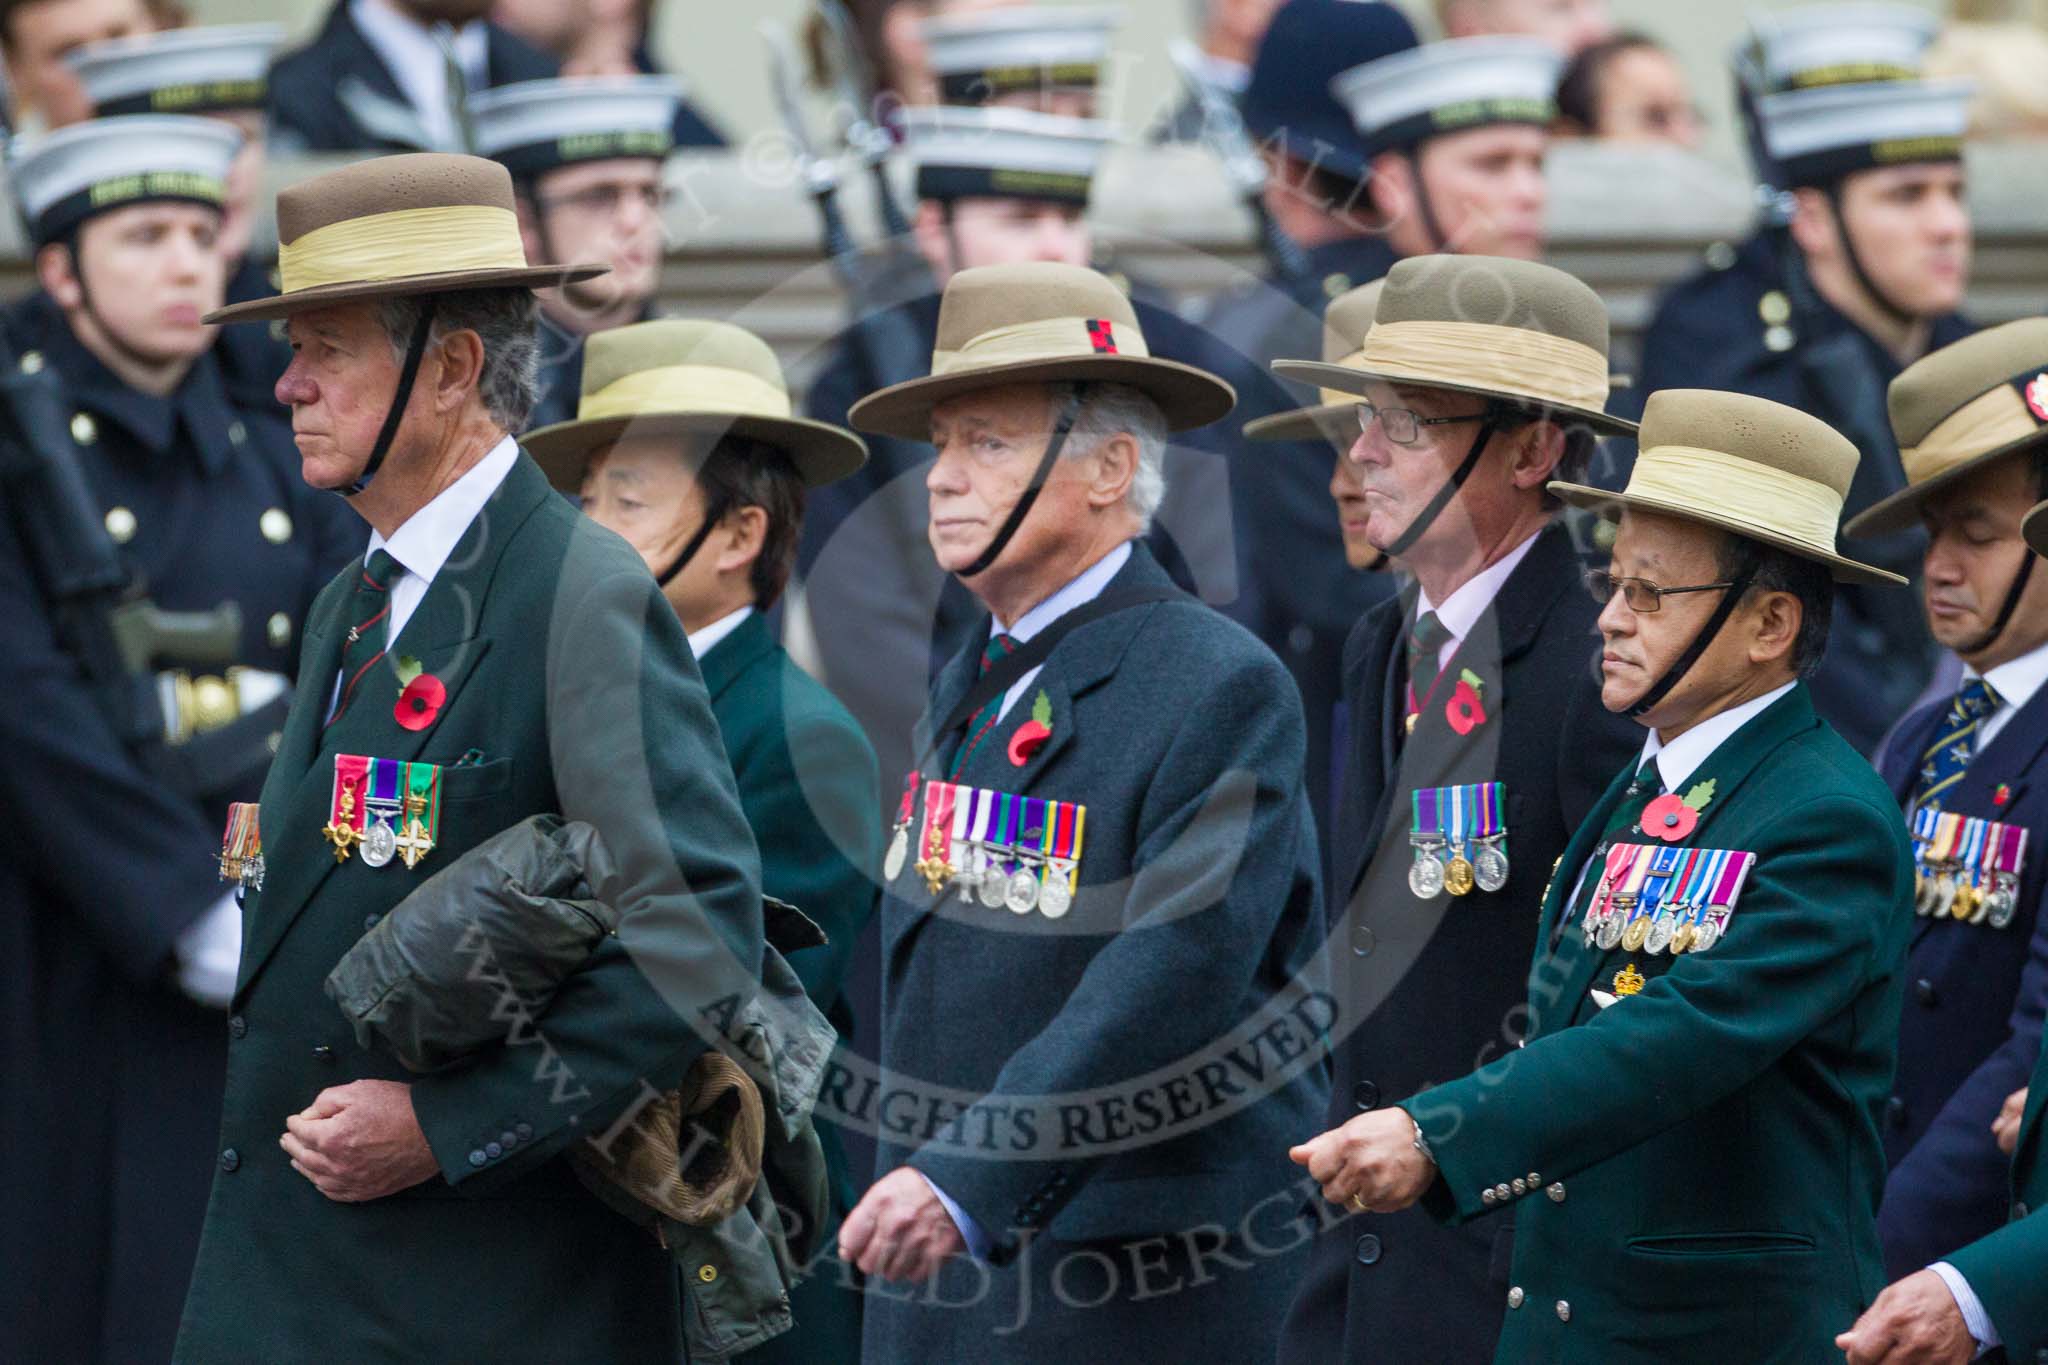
(1728, 767)
(723, 663)
(443, 635)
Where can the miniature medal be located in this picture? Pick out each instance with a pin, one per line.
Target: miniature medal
(344, 828)
(422, 813)
(899, 838)
(1491, 867)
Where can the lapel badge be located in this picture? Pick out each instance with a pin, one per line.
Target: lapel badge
(1032, 734)
(1628, 981)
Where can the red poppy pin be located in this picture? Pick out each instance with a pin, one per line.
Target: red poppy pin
(1032, 734)
(1672, 817)
(2002, 795)
(419, 703)
(1465, 711)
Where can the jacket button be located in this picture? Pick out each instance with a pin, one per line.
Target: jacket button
(1368, 1249)
(707, 1272)
(1895, 1111)
(1362, 941)
(1556, 1192)
(493, 1150)
(230, 1159)
(1924, 992)
(1564, 1311)
(324, 1054)
(525, 1130)
(370, 921)
(1365, 1095)
(238, 1027)
(2019, 1210)
(1515, 1297)
(477, 1157)
(508, 1138)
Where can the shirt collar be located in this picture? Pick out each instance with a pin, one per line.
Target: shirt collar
(1468, 602)
(408, 48)
(2016, 680)
(422, 545)
(1085, 587)
(702, 641)
(1681, 758)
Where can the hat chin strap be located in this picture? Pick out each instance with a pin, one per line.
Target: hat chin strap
(1673, 675)
(2005, 610)
(1428, 515)
(1424, 210)
(714, 512)
(415, 351)
(1884, 301)
(1070, 412)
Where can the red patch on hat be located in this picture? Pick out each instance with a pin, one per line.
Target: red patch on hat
(2036, 394)
(1103, 338)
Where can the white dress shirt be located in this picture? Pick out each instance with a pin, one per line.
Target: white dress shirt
(701, 641)
(1681, 758)
(417, 63)
(1469, 600)
(1083, 589)
(2015, 681)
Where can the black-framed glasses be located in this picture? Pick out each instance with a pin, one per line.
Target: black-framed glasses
(1403, 426)
(1640, 593)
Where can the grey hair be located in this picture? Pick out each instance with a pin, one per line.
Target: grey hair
(1119, 409)
(506, 320)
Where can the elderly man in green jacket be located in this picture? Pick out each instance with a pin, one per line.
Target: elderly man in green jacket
(1689, 1138)
(684, 444)
(494, 656)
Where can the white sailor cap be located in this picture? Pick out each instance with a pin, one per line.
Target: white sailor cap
(67, 176)
(1449, 86)
(208, 70)
(1844, 44)
(534, 126)
(1031, 49)
(1818, 136)
(1001, 153)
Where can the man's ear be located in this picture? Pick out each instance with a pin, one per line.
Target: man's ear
(57, 273)
(745, 531)
(1533, 460)
(461, 369)
(1115, 463)
(928, 231)
(1391, 190)
(1813, 224)
(1776, 630)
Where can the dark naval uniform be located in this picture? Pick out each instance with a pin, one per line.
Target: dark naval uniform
(807, 785)
(1730, 327)
(1974, 1003)
(252, 359)
(1296, 591)
(335, 94)
(1196, 909)
(561, 371)
(1426, 987)
(111, 1075)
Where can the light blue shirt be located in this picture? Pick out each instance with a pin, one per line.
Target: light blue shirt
(1974, 1317)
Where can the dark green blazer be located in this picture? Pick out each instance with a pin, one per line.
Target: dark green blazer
(1695, 1171)
(807, 783)
(570, 690)
(2009, 1268)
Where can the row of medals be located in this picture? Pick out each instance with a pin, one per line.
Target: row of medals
(1653, 934)
(975, 868)
(1945, 889)
(1432, 874)
(380, 840)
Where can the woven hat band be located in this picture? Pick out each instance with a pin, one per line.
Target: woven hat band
(1041, 339)
(1992, 419)
(1761, 496)
(1513, 360)
(670, 389)
(402, 243)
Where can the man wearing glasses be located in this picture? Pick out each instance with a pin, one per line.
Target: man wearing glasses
(586, 157)
(1689, 1138)
(1477, 742)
